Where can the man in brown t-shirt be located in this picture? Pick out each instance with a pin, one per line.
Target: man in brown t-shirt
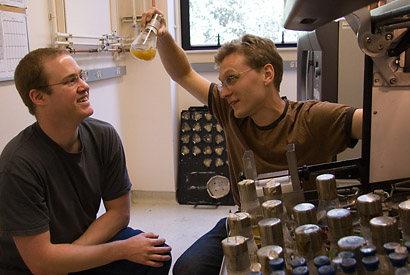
(248, 106)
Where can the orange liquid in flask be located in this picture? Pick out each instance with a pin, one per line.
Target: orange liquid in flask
(144, 55)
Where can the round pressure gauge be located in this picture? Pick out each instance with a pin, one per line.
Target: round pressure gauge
(218, 187)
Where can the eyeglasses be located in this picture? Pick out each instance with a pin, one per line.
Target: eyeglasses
(71, 81)
(231, 80)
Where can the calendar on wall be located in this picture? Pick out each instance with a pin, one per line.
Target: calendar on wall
(14, 44)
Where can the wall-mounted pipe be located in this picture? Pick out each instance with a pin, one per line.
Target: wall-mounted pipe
(95, 50)
(68, 35)
(134, 15)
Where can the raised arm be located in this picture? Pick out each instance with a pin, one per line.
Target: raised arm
(176, 62)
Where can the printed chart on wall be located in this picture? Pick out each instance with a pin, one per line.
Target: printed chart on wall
(13, 39)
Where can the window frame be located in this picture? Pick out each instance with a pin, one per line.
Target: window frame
(186, 32)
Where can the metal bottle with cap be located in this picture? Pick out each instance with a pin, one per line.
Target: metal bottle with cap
(327, 194)
(240, 225)
(276, 209)
(309, 243)
(404, 213)
(352, 245)
(340, 225)
(272, 190)
(384, 230)
(266, 254)
(305, 213)
(369, 206)
(271, 233)
(145, 45)
(235, 250)
(250, 202)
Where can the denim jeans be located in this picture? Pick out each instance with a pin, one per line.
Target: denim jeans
(124, 266)
(204, 257)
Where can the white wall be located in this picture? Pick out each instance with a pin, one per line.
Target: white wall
(144, 105)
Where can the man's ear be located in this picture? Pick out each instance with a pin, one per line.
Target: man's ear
(269, 73)
(37, 97)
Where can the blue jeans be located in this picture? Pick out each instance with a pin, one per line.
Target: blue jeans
(205, 255)
(124, 266)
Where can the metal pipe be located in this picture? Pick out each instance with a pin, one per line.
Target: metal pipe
(53, 20)
(134, 15)
(68, 35)
(71, 50)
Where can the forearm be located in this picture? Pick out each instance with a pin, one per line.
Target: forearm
(103, 229)
(71, 258)
(178, 67)
(43, 257)
(66, 258)
(173, 57)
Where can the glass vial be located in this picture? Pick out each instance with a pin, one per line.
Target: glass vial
(145, 45)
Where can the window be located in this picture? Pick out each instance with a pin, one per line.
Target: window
(206, 24)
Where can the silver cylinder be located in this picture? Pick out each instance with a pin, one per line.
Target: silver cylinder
(272, 209)
(267, 253)
(353, 244)
(340, 224)
(247, 191)
(309, 240)
(271, 232)
(272, 190)
(384, 229)
(236, 254)
(404, 214)
(369, 206)
(326, 187)
(305, 213)
(240, 224)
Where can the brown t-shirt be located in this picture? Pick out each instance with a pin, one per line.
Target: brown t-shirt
(319, 130)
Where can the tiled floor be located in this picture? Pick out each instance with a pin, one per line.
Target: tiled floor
(180, 225)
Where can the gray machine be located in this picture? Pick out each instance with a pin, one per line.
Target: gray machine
(383, 35)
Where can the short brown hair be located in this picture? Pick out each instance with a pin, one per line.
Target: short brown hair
(258, 52)
(29, 73)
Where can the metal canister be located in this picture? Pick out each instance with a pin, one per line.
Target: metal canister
(369, 206)
(272, 190)
(384, 229)
(305, 213)
(352, 244)
(247, 191)
(340, 224)
(240, 224)
(267, 253)
(404, 213)
(326, 187)
(235, 249)
(309, 241)
(272, 209)
(271, 232)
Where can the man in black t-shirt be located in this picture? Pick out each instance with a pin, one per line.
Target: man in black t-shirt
(53, 176)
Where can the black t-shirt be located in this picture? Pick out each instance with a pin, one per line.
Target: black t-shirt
(43, 187)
